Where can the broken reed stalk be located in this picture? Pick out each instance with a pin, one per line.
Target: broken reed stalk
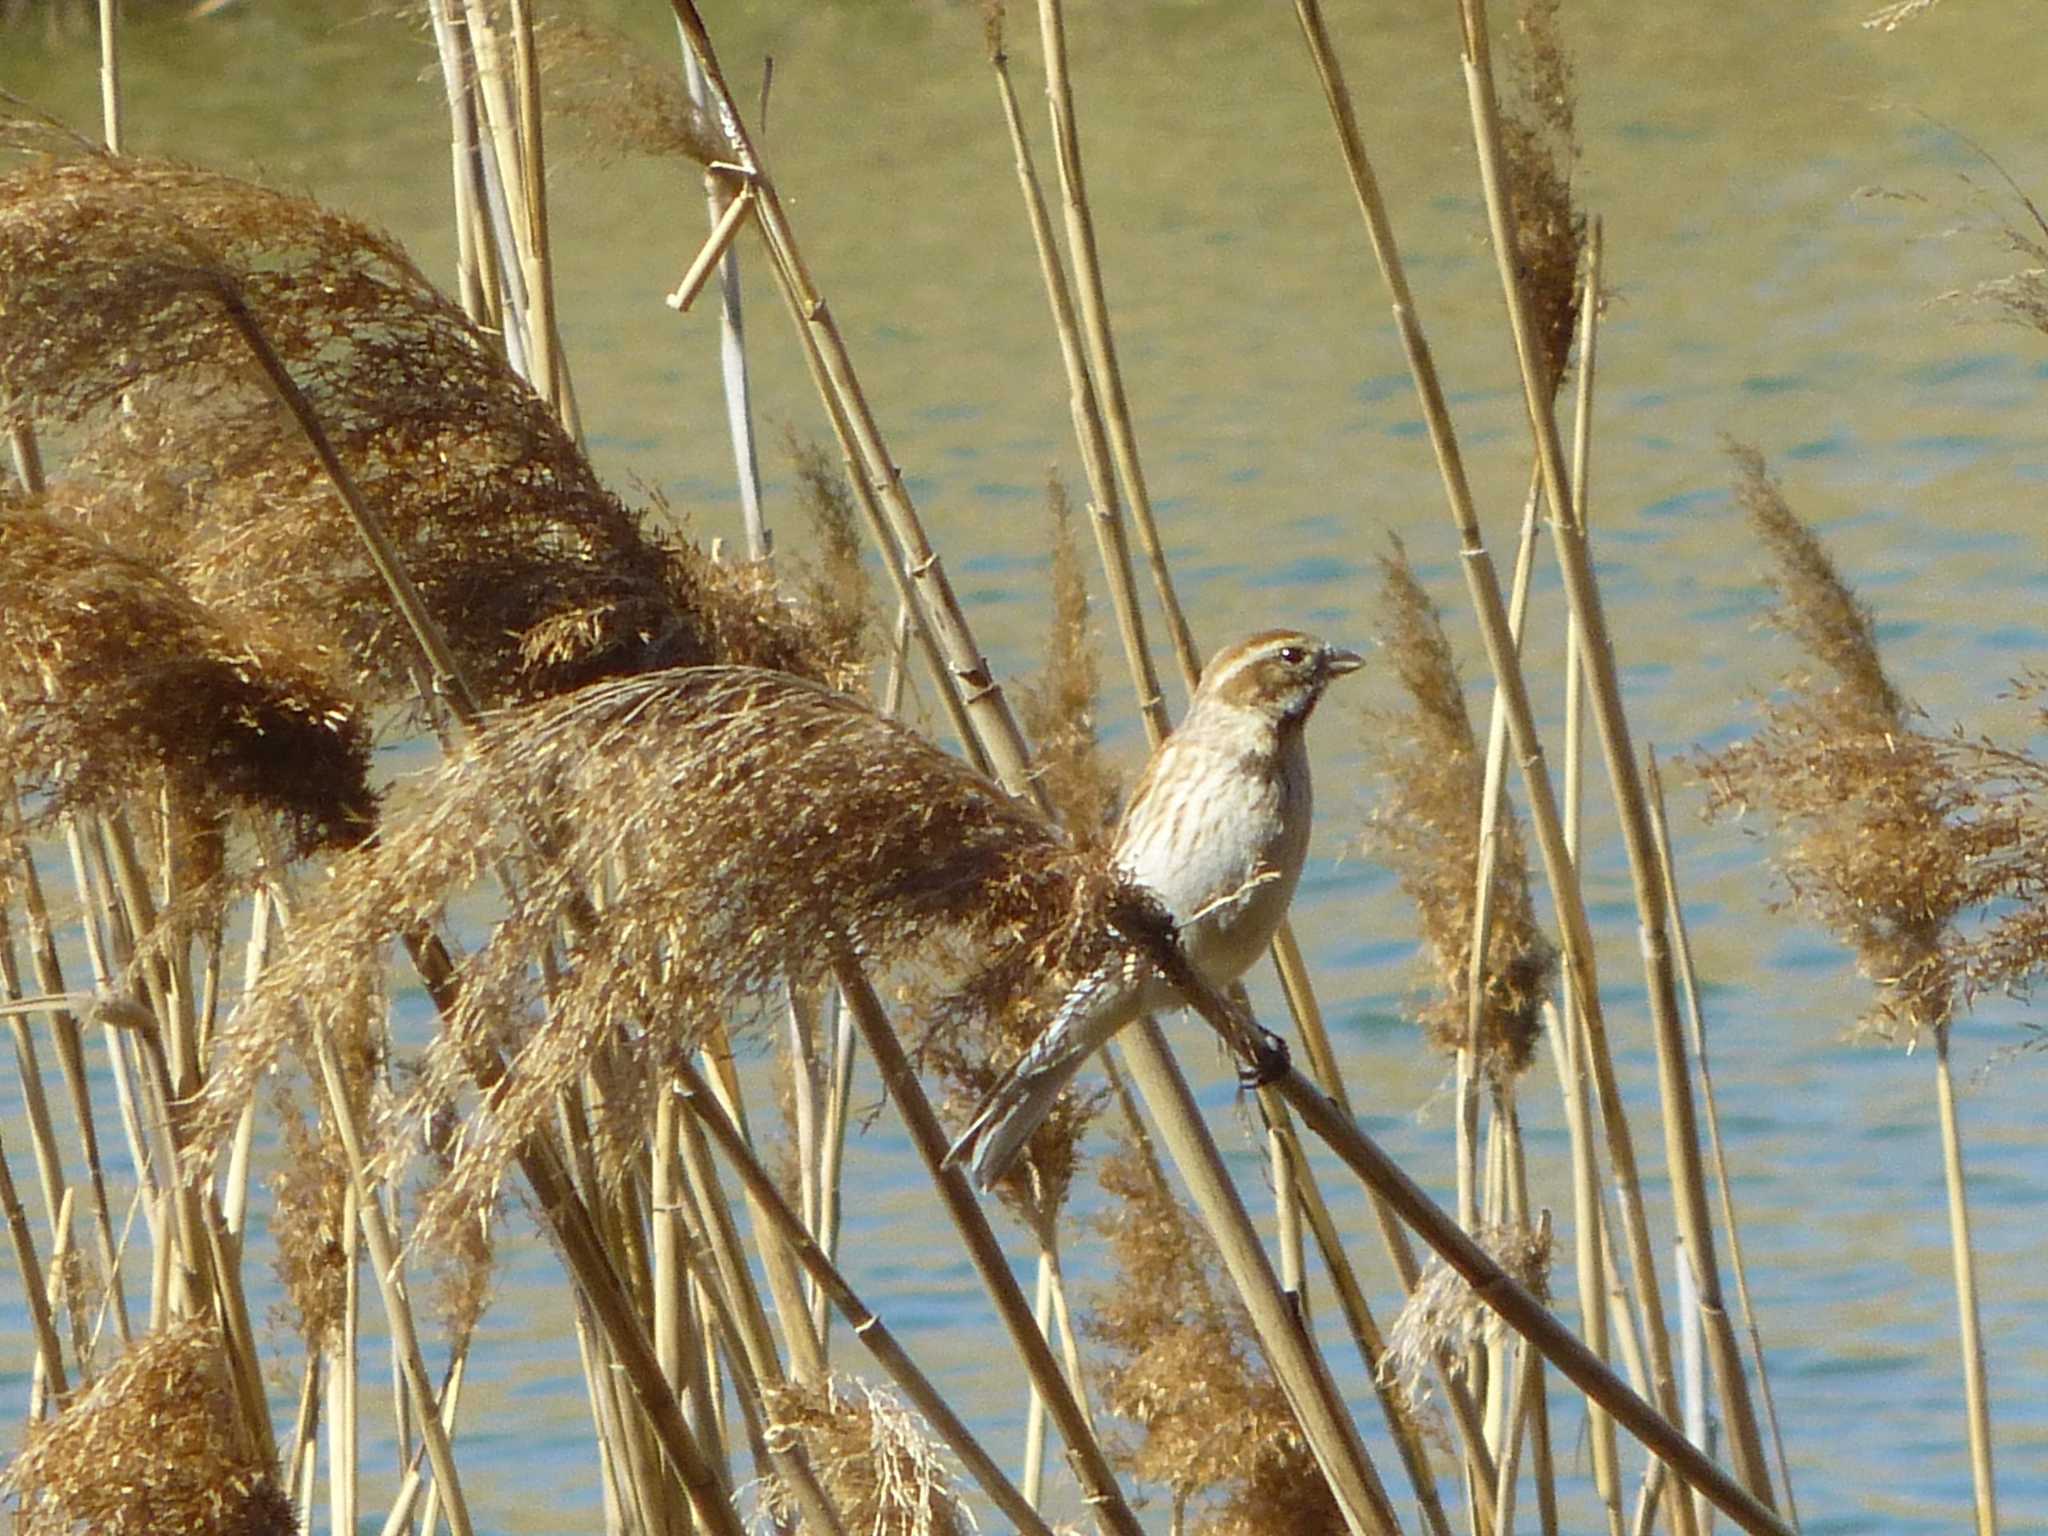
(872, 1331)
(1681, 1131)
(955, 655)
(1574, 930)
(1723, 1187)
(1091, 1464)
(732, 356)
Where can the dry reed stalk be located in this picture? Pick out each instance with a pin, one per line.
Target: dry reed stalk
(1289, 1352)
(956, 656)
(110, 74)
(1100, 338)
(1084, 357)
(1524, 1313)
(867, 1325)
(1724, 1188)
(1574, 930)
(1364, 1330)
(49, 1351)
(1091, 1466)
(386, 1263)
(1681, 1134)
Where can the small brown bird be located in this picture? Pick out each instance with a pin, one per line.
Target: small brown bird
(1217, 831)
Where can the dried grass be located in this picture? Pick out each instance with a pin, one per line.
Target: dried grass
(1444, 1315)
(114, 680)
(1881, 838)
(1539, 137)
(1214, 1425)
(741, 826)
(541, 579)
(1425, 826)
(883, 1472)
(151, 1447)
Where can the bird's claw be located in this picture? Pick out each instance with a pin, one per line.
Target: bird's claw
(1268, 1062)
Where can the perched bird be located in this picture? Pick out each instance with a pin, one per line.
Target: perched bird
(1216, 831)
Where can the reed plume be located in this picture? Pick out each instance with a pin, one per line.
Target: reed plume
(1443, 1313)
(114, 680)
(884, 1473)
(742, 827)
(1214, 1426)
(1425, 826)
(541, 579)
(151, 1446)
(1882, 839)
(1539, 138)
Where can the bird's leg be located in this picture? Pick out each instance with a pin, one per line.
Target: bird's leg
(1267, 1060)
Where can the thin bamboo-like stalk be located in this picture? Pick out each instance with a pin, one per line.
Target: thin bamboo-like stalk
(1031, 1482)
(806, 1352)
(49, 1352)
(982, 696)
(1101, 338)
(1365, 1331)
(867, 1326)
(1688, 978)
(1963, 1260)
(1091, 1465)
(1574, 931)
(1681, 1136)
(597, 1278)
(1289, 1353)
(110, 74)
(551, 371)
(1522, 1312)
(28, 1071)
(732, 357)
(1104, 504)
(388, 1266)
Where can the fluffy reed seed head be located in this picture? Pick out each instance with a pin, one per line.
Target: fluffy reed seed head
(1880, 838)
(1182, 1366)
(1540, 140)
(873, 1457)
(1443, 1312)
(834, 581)
(540, 578)
(602, 80)
(736, 827)
(1425, 826)
(153, 1445)
(114, 680)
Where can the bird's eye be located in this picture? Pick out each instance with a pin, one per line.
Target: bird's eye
(1293, 655)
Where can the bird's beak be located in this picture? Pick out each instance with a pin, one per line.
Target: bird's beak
(1336, 661)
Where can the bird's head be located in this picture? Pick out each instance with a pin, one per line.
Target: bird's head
(1279, 673)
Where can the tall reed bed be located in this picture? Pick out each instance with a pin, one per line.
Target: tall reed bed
(277, 493)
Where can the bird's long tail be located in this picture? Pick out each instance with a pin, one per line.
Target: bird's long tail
(1018, 1105)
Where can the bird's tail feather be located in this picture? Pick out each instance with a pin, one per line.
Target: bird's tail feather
(1102, 1004)
(1008, 1119)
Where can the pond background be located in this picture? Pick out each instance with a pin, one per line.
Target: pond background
(1785, 195)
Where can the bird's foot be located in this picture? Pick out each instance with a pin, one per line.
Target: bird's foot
(1268, 1063)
